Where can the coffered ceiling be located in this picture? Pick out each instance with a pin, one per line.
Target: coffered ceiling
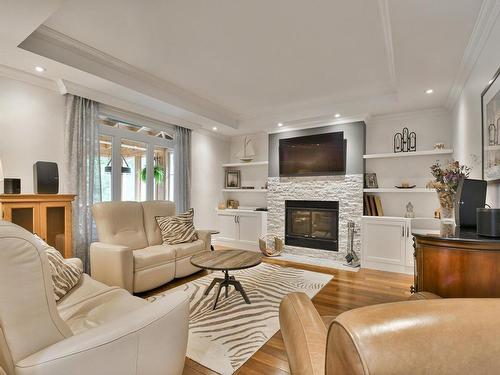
(245, 65)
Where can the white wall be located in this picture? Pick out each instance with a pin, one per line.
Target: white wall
(466, 114)
(431, 126)
(31, 129)
(208, 153)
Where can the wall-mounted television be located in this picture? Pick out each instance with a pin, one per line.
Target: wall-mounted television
(312, 155)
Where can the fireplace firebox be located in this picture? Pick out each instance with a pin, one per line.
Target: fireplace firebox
(312, 224)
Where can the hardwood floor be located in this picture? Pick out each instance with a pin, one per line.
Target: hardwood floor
(347, 290)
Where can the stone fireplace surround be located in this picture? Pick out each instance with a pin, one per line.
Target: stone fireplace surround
(346, 189)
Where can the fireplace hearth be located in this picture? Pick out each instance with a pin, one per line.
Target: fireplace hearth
(312, 224)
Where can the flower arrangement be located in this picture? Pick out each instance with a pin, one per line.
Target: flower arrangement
(445, 182)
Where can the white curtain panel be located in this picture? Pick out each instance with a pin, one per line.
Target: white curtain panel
(81, 137)
(182, 169)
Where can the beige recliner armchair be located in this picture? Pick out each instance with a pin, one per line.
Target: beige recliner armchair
(130, 253)
(94, 329)
(426, 335)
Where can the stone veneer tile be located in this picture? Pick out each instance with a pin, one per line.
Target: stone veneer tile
(346, 189)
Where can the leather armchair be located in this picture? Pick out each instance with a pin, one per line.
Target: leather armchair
(426, 335)
(94, 329)
(130, 253)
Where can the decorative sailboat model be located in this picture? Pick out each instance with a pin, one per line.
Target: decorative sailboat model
(248, 151)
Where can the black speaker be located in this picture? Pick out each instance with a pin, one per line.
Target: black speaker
(12, 186)
(46, 177)
(471, 195)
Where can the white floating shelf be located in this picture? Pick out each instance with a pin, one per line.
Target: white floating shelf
(406, 154)
(396, 190)
(244, 190)
(249, 164)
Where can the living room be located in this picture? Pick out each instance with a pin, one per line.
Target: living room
(241, 188)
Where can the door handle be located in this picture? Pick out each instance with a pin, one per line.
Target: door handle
(238, 219)
(407, 231)
(402, 232)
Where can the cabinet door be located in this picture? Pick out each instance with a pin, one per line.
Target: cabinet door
(249, 228)
(25, 215)
(227, 227)
(55, 226)
(384, 241)
(409, 261)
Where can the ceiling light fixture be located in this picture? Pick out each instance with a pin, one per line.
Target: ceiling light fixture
(429, 91)
(214, 128)
(337, 115)
(39, 69)
(280, 124)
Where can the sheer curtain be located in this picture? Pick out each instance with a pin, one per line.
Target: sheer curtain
(182, 169)
(81, 137)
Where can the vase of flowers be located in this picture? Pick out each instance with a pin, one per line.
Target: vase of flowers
(445, 182)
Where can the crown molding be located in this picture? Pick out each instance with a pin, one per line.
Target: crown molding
(488, 14)
(19, 75)
(317, 122)
(62, 48)
(148, 114)
(385, 17)
(427, 112)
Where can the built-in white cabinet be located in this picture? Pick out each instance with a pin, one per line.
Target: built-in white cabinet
(387, 244)
(240, 228)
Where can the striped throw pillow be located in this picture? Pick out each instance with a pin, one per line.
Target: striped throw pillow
(177, 229)
(64, 276)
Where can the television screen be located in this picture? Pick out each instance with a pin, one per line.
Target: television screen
(313, 155)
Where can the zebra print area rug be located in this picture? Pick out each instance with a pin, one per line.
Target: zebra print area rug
(224, 339)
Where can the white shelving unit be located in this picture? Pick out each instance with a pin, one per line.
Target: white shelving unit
(249, 164)
(396, 190)
(447, 151)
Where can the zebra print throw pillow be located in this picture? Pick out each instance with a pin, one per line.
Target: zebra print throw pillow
(64, 276)
(177, 229)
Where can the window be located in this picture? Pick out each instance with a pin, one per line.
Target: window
(136, 161)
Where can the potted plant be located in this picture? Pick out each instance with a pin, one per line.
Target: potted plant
(445, 182)
(158, 174)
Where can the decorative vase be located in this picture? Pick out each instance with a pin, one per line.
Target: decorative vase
(446, 202)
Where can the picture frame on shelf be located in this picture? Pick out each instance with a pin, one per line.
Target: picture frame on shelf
(371, 181)
(232, 179)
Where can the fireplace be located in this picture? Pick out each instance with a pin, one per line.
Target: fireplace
(312, 224)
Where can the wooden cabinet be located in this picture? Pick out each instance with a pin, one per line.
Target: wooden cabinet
(462, 266)
(387, 244)
(240, 228)
(47, 215)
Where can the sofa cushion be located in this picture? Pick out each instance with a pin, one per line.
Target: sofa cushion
(64, 275)
(152, 209)
(120, 223)
(153, 256)
(91, 303)
(184, 250)
(177, 229)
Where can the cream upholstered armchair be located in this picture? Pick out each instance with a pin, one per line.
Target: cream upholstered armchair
(94, 329)
(130, 253)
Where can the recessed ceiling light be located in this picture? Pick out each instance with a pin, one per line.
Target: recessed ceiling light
(214, 128)
(39, 69)
(280, 124)
(337, 115)
(429, 91)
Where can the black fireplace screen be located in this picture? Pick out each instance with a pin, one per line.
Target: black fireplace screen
(312, 224)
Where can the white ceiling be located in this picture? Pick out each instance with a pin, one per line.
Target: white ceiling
(249, 64)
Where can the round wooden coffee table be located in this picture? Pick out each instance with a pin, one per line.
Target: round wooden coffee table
(225, 261)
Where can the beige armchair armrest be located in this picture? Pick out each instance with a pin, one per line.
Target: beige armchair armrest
(438, 336)
(206, 237)
(112, 265)
(304, 334)
(150, 340)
